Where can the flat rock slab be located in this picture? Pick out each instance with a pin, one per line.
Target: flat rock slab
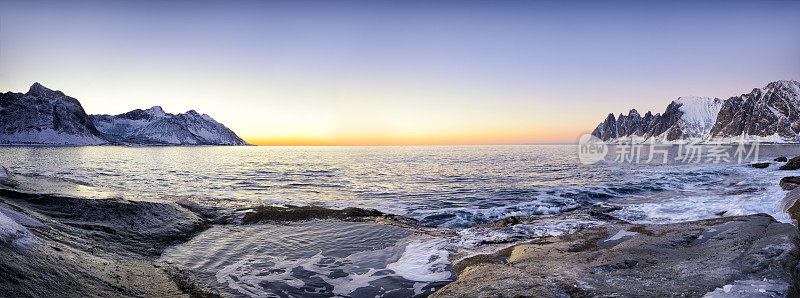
(747, 254)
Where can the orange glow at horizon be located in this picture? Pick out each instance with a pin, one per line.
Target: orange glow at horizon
(496, 138)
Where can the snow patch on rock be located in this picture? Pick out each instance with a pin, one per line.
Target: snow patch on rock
(49, 137)
(13, 233)
(699, 114)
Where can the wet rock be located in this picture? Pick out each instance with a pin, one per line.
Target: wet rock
(790, 205)
(5, 177)
(505, 222)
(626, 260)
(744, 191)
(43, 271)
(792, 164)
(761, 165)
(88, 242)
(748, 288)
(789, 183)
(781, 159)
(298, 213)
(78, 254)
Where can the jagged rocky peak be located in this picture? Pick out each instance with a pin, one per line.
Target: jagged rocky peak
(138, 114)
(789, 85)
(37, 88)
(45, 116)
(156, 111)
(765, 114)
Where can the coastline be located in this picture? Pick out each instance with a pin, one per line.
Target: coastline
(57, 236)
(84, 231)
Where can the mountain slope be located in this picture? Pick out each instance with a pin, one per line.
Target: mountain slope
(698, 114)
(155, 127)
(46, 117)
(772, 112)
(768, 114)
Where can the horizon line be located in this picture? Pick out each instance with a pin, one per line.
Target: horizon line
(408, 145)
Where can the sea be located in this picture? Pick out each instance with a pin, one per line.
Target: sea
(457, 188)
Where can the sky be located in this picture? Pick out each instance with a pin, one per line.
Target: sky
(397, 72)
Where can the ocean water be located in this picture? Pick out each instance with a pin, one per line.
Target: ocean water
(454, 186)
(458, 187)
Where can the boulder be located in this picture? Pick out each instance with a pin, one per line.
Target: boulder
(744, 254)
(781, 159)
(789, 183)
(792, 164)
(761, 165)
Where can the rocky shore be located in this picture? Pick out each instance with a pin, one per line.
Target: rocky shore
(737, 256)
(741, 256)
(67, 238)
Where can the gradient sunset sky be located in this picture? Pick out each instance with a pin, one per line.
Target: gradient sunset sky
(397, 72)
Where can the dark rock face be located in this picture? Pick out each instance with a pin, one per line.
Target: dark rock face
(44, 116)
(789, 183)
(631, 125)
(761, 165)
(773, 110)
(298, 213)
(792, 164)
(743, 254)
(781, 159)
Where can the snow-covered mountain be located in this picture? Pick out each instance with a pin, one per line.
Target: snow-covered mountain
(154, 126)
(686, 117)
(47, 117)
(770, 114)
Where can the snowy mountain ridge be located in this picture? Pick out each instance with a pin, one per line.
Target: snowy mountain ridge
(47, 117)
(156, 127)
(769, 114)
